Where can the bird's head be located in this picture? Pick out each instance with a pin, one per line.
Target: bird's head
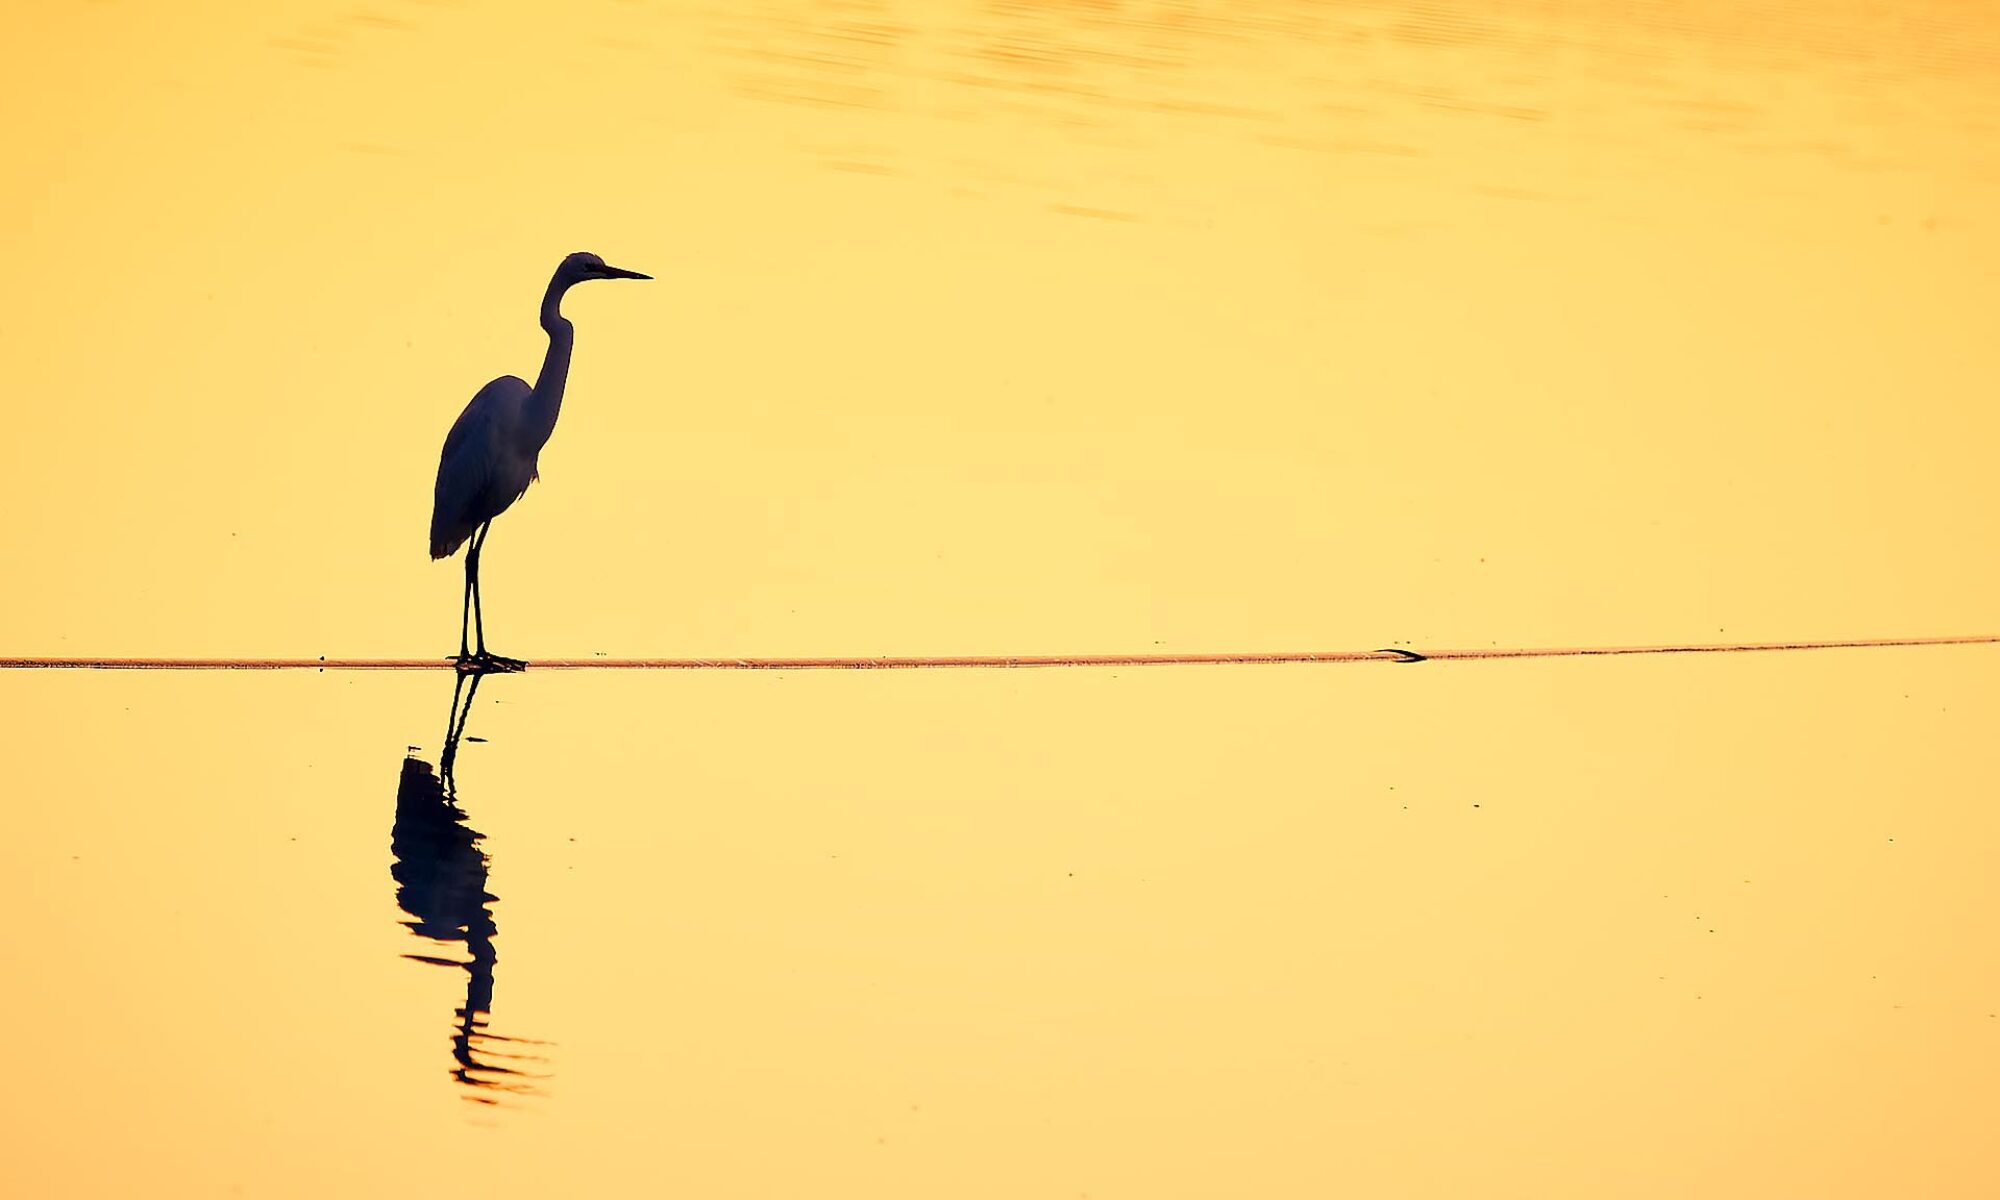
(584, 265)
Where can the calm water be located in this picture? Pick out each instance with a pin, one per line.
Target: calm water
(1007, 328)
(1534, 928)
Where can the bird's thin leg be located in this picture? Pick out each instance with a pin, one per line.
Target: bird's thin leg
(451, 722)
(449, 754)
(465, 616)
(472, 583)
(487, 660)
(455, 730)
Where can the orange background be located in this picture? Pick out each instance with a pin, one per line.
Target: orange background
(1029, 328)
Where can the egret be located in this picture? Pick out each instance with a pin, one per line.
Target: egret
(490, 454)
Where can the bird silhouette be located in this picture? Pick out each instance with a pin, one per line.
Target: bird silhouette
(440, 870)
(490, 454)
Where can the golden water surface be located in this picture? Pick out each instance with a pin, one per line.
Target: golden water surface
(988, 328)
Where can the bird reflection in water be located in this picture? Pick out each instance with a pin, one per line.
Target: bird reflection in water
(440, 874)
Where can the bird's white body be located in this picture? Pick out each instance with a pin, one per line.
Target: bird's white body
(486, 465)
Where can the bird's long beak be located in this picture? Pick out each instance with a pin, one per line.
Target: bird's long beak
(611, 272)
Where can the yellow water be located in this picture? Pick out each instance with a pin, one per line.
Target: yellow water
(986, 329)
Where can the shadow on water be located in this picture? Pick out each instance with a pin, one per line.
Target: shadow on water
(440, 874)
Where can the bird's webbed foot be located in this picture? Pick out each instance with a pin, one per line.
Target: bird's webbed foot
(483, 663)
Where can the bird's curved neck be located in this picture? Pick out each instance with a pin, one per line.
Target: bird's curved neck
(545, 403)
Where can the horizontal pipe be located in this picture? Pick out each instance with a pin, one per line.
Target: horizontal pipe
(910, 663)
